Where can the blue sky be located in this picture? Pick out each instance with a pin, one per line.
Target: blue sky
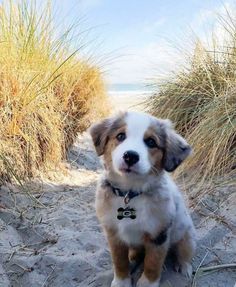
(134, 40)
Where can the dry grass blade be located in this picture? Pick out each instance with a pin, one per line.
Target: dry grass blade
(198, 268)
(217, 267)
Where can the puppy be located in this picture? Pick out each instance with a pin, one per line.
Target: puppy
(138, 204)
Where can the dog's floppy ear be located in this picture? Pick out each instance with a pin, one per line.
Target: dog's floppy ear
(176, 148)
(99, 133)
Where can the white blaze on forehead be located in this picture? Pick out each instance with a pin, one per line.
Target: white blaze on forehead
(137, 124)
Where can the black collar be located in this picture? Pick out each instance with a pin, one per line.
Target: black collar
(127, 194)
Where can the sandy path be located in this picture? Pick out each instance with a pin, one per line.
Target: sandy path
(125, 102)
(60, 244)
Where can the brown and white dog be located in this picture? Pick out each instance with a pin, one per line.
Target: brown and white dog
(138, 204)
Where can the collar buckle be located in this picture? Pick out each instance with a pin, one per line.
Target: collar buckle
(128, 195)
(127, 198)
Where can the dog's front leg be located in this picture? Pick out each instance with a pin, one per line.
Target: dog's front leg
(153, 262)
(120, 259)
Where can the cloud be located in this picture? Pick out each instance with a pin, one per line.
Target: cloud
(142, 64)
(159, 58)
(209, 23)
(89, 4)
(153, 27)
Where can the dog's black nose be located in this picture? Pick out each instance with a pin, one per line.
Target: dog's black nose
(131, 157)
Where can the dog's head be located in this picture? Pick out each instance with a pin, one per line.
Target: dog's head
(138, 144)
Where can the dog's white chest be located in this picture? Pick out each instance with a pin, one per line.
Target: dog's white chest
(130, 230)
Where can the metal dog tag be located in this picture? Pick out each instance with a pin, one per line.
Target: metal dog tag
(126, 212)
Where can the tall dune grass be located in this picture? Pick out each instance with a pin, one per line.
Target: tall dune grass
(47, 92)
(201, 101)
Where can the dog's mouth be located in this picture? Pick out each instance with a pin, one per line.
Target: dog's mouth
(128, 170)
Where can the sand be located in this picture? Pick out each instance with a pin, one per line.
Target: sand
(54, 238)
(131, 101)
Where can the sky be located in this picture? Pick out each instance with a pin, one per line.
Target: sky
(135, 40)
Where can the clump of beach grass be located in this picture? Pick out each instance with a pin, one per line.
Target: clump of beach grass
(48, 93)
(201, 100)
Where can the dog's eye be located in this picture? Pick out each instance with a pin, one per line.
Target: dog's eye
(121, 137)
(150, 142)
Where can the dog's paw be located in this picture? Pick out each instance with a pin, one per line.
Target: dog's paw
(144, 282)
(121, 282)
(184, 268)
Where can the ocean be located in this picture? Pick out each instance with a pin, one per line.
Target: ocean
(129, 89)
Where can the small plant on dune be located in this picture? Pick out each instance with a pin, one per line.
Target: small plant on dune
(201, 101)
(47, 92)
